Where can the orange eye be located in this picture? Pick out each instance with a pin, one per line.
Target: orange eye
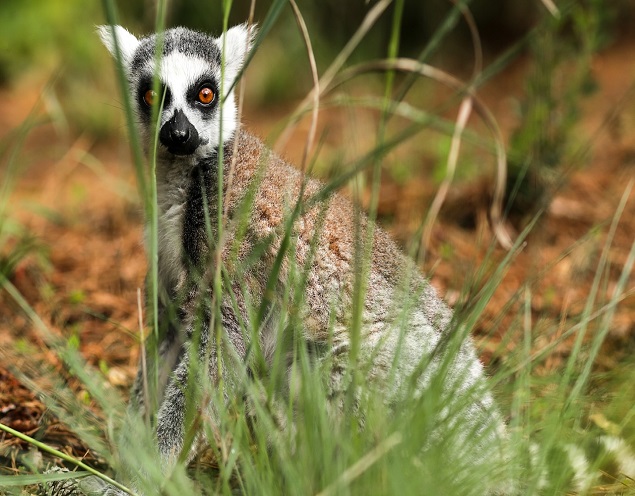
(206, 95)
(150, 97)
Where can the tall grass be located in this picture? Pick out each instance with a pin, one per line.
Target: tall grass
(265, 439)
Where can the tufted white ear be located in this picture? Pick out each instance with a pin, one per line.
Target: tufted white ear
(237, 42)
(127, 42)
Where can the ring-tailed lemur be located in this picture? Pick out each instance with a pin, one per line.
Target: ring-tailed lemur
(191, 73)
(190, 136)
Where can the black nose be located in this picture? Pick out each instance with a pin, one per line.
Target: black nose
(178, 135)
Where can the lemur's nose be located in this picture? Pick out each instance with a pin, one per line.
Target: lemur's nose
(178, 135)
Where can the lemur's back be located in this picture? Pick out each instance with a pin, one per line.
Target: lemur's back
(402, 313)
(334, 262)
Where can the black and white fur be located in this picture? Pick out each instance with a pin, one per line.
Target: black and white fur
(190, 59)
(189, 137)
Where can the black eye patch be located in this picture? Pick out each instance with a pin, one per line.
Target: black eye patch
(203, 95)
(147, 100)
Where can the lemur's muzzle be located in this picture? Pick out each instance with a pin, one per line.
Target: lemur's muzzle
(178, 135)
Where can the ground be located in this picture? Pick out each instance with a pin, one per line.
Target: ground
(78, 200)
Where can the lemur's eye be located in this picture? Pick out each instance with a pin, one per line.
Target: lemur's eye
(206, 95)
(150, 97)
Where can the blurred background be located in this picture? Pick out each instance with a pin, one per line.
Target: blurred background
(55, 39)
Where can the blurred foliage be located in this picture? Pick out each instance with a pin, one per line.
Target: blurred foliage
(43, 35)
(544, 143)
(53, 40)
(56, 38)
(16, 243)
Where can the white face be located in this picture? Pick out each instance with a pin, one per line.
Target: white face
(193, 123)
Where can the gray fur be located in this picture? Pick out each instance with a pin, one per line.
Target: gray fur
(188, 183)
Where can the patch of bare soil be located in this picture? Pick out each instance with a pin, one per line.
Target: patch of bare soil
(82, 280)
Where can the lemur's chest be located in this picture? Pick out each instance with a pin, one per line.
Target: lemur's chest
(185, 207)
(171, 269)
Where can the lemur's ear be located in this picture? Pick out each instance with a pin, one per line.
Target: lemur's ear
(237, 42)
(126, 42)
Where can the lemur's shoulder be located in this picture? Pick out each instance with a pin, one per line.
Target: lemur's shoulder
(279, 188)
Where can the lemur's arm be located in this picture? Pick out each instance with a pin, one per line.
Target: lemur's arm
(163, 361)
(197, 363)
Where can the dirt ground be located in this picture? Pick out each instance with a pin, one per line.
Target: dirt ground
(78, 200)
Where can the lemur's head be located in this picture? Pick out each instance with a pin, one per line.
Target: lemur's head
(189, 72)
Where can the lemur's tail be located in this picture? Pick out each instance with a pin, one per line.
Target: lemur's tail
(585, 465)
